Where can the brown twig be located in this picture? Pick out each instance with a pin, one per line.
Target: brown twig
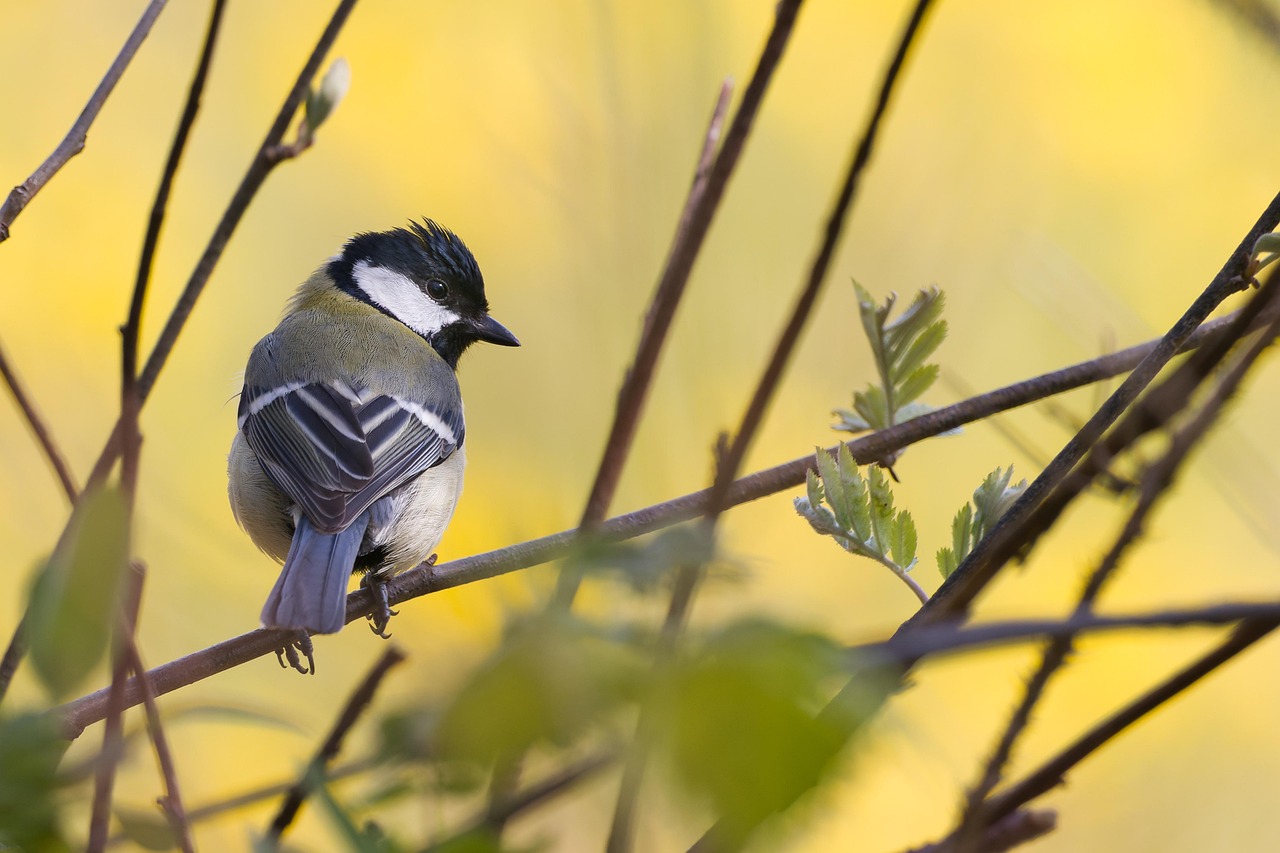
(355, 706)
(112, 732)
(1156, 482)
(40, 430)
(729, 461)
(133, 324)
(171, 803)
(707, 189)
(498, 813)
(424, 580)
(263, 163)
(73, 143)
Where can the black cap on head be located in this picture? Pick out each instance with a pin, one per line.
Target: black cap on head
(448, 309)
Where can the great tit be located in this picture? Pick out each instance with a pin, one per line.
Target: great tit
(349, 453)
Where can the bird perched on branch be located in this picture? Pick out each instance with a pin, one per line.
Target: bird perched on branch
(349, 454)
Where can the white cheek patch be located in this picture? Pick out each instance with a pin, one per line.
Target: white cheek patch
(402, 299)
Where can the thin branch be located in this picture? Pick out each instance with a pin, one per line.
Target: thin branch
(729, 461)
(497, 814)
(786, 344)
(709, 182)
(172, 801)
(73, 143)
(133, 325)
(950, 638)
(1156, 482)
(355, 706)
(424, 580)
(1009, 535)
(112, 732)
(266, 159)
(40, 430)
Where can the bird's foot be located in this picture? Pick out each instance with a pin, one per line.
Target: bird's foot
(295, 651)
(382, 612)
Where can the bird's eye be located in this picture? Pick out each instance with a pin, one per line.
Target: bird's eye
(437, 289)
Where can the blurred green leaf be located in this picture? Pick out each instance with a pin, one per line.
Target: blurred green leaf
(644, 566)
(476, 841)
(367, 839)
(76, 597)
(30, 749)
(741, 722)
(552, 679)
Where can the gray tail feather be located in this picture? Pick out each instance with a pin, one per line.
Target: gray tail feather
(311, 592)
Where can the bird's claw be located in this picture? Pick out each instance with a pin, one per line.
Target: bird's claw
(295, 650)
(381, 615)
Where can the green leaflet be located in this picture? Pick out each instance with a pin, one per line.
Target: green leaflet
(975, 520)
(899, 348)
(857, 512)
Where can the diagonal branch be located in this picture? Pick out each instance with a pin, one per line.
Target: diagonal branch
(709, 182)
(424, 580)
(171, 803)
(133, 325)
(318, 765)
(40, 430)
(73, 143)
(1156, 482)
(1017, 528)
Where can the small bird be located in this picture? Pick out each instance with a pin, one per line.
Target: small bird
(349, 453)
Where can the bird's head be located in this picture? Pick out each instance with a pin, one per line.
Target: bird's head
(425, 277)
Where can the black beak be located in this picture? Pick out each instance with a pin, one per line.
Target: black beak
(490, 330)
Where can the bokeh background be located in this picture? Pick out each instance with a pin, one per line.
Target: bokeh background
(1071, 174)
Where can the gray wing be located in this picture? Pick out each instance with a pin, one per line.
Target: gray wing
(335, 449)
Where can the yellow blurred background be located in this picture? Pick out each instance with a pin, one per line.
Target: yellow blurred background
(1071, 174)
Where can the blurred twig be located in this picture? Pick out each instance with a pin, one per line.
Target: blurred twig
(73, 143)
(171, 803)
(1155, 483)
(315, 770)
(710, 178)
(40, 430)
(424, 580)
(1258, 16)
(729, 461)
(495, 814)
(709, 183)
(112, 740)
